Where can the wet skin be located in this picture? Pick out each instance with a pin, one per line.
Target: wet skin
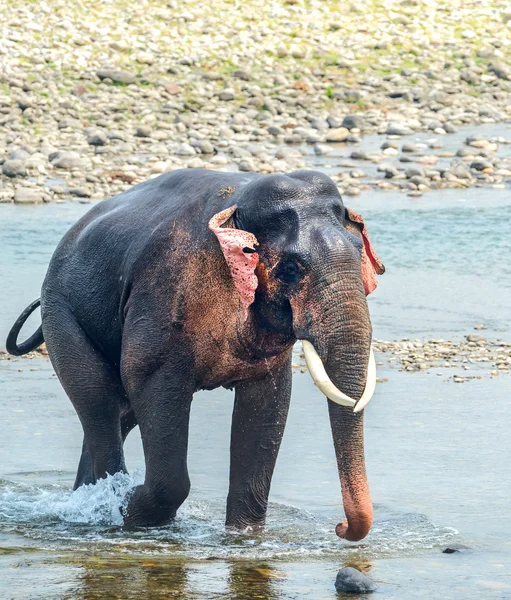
(140, 311)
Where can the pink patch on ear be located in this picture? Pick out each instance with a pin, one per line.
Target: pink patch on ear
(241, 264)
(371, 264)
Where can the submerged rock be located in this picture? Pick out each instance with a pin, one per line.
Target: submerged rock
(354, 582)
(453, 548)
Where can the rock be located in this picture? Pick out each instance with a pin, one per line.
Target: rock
(145, 58)
(246, 165)
(501, 71)
(352, 190)
(97, 138)
(226, 95)
(143, 131)
(241, 74)
(414, 172)
(14, 168)
(205, 146)
(24, 195)
(480, 164)
(340, 134)
(80, 192)
(172, 89)
(185, 150)
(274, 130)
(353, 582)
(453, 548)
(79, 90)
(321, 149)
(354, 122)
(396, 128)
(475, 337)
(409, 148)
(117, 75)
(334, 122)
(66, 160)
(19, 154)
(320, 124)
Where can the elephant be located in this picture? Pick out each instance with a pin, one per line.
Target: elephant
(198, 279)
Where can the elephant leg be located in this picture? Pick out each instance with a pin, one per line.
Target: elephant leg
(95, 389)
(85, 474)
(162, 410)
(259, 418)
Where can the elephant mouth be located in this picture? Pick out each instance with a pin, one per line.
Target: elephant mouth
(327, 387)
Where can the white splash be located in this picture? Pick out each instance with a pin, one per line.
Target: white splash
(99, 504)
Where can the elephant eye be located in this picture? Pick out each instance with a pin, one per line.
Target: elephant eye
(289, 272)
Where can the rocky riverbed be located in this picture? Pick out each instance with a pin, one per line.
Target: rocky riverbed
(96, 97)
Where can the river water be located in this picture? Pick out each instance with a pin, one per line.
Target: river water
(437, 452)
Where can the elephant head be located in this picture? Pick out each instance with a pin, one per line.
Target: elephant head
(303, 264)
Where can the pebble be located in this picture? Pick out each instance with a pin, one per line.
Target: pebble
(24, 195)
(67, 160)
(117, 75)
(97, 138)
(352, 581)
(14, 168)
(339, 134)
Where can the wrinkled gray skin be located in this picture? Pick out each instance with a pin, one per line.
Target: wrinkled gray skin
(139, 311)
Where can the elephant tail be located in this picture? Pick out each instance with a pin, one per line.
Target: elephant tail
(33, 342)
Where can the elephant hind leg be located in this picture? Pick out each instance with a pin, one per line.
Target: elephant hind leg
(85, 474)
(94, 387)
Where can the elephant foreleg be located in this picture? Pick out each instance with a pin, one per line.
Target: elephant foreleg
(161, 406)
(259, 418)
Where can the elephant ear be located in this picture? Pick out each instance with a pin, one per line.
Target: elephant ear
(239, 252)
(371, 264)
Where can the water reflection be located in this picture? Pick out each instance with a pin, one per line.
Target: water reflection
(107, 578)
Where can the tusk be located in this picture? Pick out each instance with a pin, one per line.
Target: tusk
(370, 384)
(324, 383)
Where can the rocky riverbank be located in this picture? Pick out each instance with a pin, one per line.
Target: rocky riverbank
(95, 97)
(472, 358)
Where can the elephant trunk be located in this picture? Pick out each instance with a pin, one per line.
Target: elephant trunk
(342, 339)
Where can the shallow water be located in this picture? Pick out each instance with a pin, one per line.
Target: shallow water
(436, 451)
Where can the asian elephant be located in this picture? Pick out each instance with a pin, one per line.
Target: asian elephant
(199, 279)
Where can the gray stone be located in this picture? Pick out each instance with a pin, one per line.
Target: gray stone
(354, 582)
(117, 75)
(143, 131)
(414, 172)
(205, 146)
(185, 150)
(469, 76)
(66, 160)
(19, 154)
(321, 149)
(453, 548)
(226, 96)
(241, 74)
(246, 165)
(475, 337)
(334, 122)
(274, 130)
(409, 148)
(501, 71)
(340, 134)
(480, 164)
(396, 128)
(80, 192)
(353, 122)
(24, 195)
(97, 138)
(14, 168)
(320, 124)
